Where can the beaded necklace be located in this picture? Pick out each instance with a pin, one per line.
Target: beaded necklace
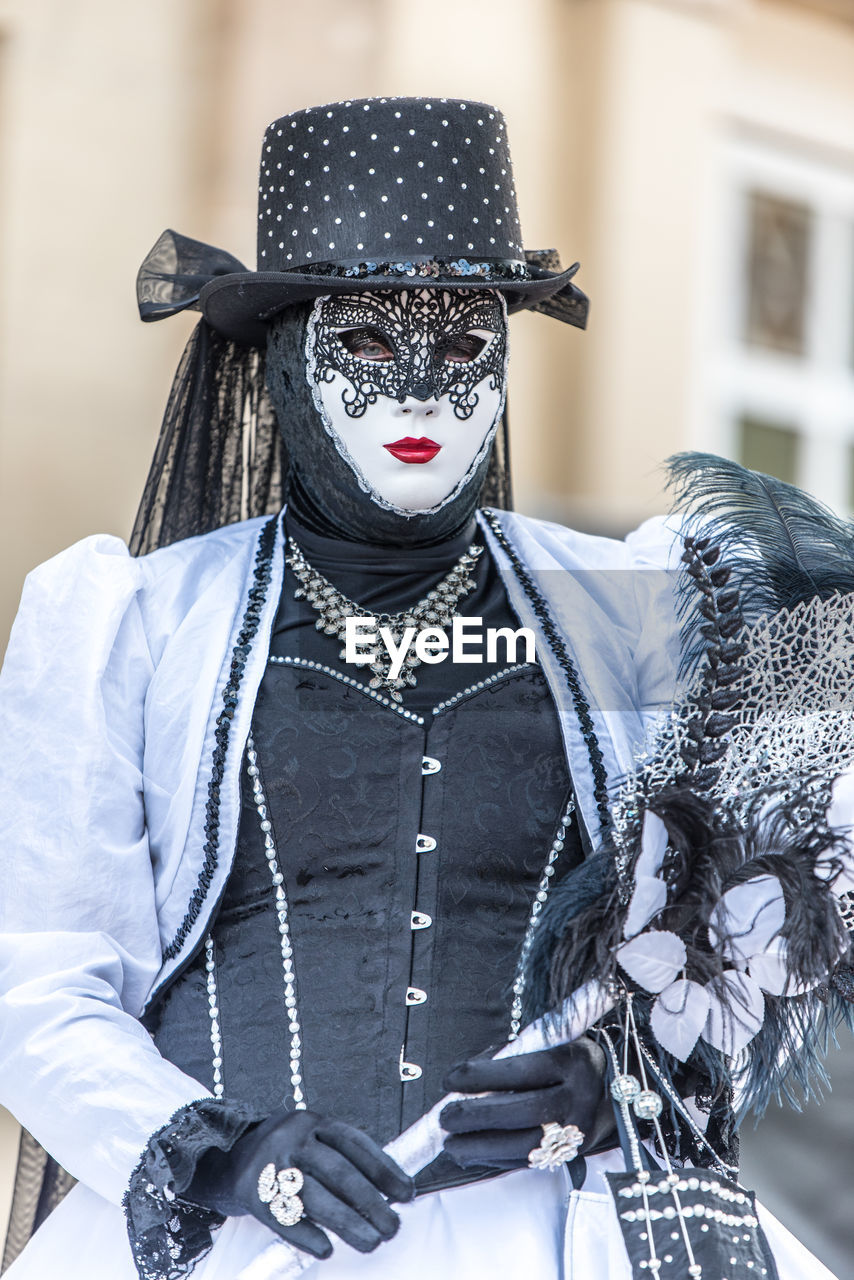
(436, 610)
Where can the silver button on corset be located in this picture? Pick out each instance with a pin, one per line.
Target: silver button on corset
(408, 1070)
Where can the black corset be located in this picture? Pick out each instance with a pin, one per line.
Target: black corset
(348, 796)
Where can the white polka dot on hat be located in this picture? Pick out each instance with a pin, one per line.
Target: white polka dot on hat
(376, 149)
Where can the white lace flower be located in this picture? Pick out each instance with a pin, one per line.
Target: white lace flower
(650, 893)
(728, 1011)
(653, 959)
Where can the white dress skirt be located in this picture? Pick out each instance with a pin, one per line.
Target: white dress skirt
(527, 1225)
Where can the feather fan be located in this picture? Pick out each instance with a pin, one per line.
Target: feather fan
(754, 548)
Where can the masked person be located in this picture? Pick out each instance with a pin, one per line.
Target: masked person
(280, 845)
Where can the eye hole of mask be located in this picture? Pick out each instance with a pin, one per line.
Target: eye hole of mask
(367, 343)
(462, 348)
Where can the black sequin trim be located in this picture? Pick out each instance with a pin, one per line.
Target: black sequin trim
(230, 694)
(555, 640)
(425, 268)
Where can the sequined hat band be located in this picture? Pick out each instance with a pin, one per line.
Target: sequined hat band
(424, 269)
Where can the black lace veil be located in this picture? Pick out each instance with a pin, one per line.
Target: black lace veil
(219, 455)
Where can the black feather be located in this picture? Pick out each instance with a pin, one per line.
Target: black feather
(782, 545)
(575, 934)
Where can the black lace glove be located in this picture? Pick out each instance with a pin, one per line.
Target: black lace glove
(348, 1181)
(564, 1085)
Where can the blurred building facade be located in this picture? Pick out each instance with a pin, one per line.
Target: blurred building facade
(696, 155)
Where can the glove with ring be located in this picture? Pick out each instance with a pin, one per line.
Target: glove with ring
(298, 1172)
(533, 1103)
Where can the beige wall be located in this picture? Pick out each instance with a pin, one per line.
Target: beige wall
(642, 153)
(119, 119)
(99, 151)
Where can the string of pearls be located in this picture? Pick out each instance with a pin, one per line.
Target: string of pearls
(288, 974)
(213, 1014)
(311, 665)
(287, 950)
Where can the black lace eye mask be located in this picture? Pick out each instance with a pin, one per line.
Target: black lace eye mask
(416, 343)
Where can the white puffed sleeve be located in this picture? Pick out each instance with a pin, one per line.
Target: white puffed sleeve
(79, 943)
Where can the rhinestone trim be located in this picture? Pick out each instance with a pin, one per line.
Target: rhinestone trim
(387, 702)
(425, 269)
(480, 684)
(348, 680)
(286, 946)
(540, 899)
(213, 1014)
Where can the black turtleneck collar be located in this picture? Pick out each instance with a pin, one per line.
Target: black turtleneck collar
(313, 522)
(386, 579)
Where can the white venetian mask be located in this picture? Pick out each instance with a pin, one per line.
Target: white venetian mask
(410, 386)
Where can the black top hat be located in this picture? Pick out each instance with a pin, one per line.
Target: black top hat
(375, 193)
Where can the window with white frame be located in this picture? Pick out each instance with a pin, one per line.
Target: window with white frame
(783, 399)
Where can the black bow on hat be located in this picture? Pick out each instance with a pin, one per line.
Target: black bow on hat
(377, 193)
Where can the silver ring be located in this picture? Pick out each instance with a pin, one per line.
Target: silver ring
(279, 1189)
(560, 1144)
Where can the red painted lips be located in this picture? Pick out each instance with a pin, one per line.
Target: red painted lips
(411, 450)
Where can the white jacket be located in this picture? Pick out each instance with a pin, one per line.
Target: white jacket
(108, 699)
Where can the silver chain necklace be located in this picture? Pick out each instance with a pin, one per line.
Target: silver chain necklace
(436, 609)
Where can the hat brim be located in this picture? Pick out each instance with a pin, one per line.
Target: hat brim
(240, 305)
